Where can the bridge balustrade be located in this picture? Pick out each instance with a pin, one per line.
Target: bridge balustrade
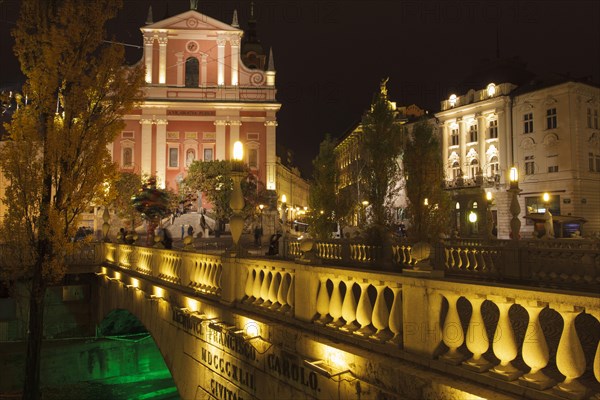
(546, 339)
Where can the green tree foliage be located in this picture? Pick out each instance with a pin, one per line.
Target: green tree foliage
(213, 178)
(380, 148)
(423, 168)
(124, 187)
(325, 204)
(57, 159)
(152, 204)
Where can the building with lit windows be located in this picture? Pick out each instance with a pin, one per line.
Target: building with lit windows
(291, 184)
(547, 128)
(350, 166)
(206, 88)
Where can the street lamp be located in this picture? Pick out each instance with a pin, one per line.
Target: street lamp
(489, 216)
(515, 209)
(261, 206)
(236, 222)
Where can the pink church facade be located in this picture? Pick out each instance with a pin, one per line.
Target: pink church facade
(199, 99)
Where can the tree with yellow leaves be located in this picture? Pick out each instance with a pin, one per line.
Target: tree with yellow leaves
(56, 158)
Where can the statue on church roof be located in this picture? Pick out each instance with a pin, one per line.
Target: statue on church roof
(193, 4)
(383, 87)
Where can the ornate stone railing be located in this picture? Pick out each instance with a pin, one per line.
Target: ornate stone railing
(197, 271)
(530, 341)
(565, 263)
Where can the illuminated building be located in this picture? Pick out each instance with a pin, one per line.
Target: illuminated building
(547, 127)
(200, 97)
(350, 165)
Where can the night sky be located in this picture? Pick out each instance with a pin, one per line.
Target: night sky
(331, 55)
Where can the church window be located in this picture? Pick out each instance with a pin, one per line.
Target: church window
(473, 133)
(173, 157)
(494, 129)
(454, 137)
(192, 72)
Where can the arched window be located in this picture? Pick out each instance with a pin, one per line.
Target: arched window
(473, 168)
(455, 170)
(494, 166)
(192, 72)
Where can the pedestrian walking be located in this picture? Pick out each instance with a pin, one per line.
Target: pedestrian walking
(190, 231)
(257, 235)
(182, 231)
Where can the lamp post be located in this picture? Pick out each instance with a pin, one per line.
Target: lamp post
(489, 216)
(236, 222)
(515, 209)
(260, 207)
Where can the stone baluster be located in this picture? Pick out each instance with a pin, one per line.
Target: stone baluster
(249, 283)
(364, 311)
(335, 304)
(381, 315)
(570, 359)
(452, 332)
(273, 289)
(504, 345)
(264, 287)
(290, 296)
(596, 366)
(535, 349)
(323, 301)
(282, 292)
(260, 276)
(349, 308)
(477, 338)
(395, 322)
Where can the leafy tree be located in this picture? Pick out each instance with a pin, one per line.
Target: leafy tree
(380, 149)
(57, 159)
(423, 168)
(213, 178)
(152, 204)
(325, 203)
(124, 187)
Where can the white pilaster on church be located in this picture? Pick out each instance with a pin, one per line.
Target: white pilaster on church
(146, 156)
(162, 59)
(220, 125)
(148, 44)
(445, 155)
(221, 60)
(234, 135)
(235, 55)
(180, 64)
(161, 152)
(271, 173)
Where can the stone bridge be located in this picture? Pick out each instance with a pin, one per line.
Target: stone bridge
(258, 328)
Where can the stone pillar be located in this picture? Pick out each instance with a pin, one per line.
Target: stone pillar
(349, 308)
(477, 339)
(421, 310)
(203, 64)
(271, 162)
(305, 287)
(146, 156)
(445, 134)
(148, 50)
(335, 303)
(364, 311)
(504, 345)
(462, 140)
(180, 67)
(452, 333)
(161, 153)
(221, 60)
(570, 358)
(162, 60)
(234, 135)
(395, 322)
(535, 349)
(235, 55)
(481, 136)
(220, 139)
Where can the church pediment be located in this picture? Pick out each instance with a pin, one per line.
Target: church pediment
(191, 20)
